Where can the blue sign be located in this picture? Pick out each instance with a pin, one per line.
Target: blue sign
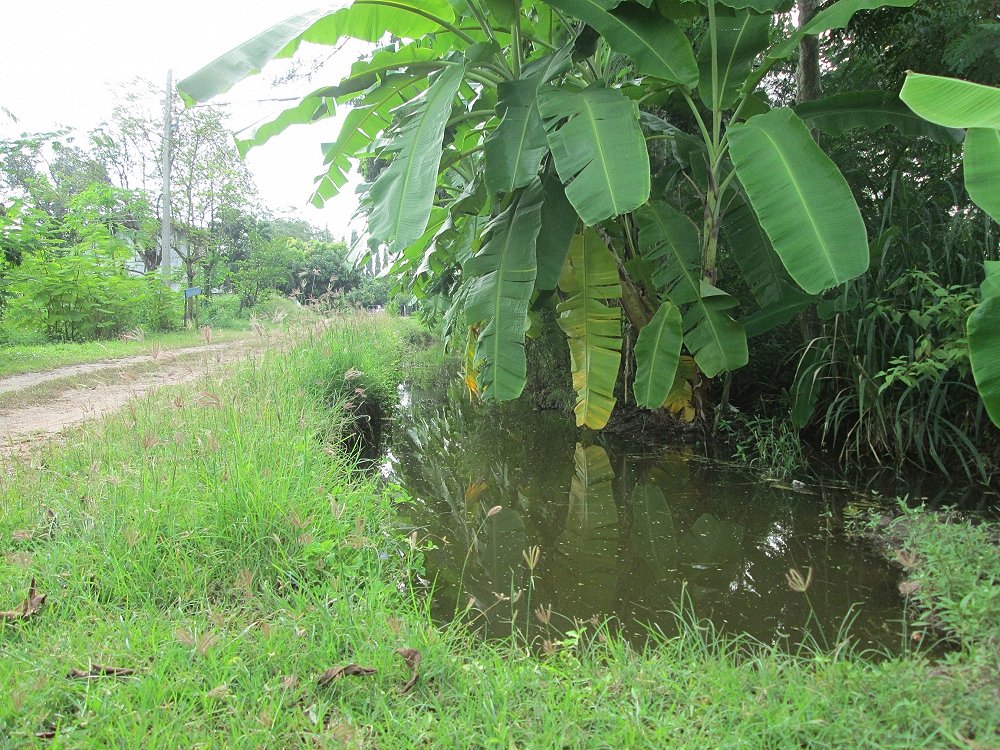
(191, 292)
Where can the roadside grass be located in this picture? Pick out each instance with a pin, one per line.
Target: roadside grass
(214, 539)
(15, 360)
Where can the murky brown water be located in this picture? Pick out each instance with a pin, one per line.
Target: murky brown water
(621, 532)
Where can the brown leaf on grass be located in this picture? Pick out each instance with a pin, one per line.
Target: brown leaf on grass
(31, 605)
(22, 535)
(412, 658)
(347, 670)
(50, 735)
(150, 441)
(99, 670)
(909, 587)
(218, 692)
(244, 580)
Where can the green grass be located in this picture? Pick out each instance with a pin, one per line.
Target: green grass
(38, 357)
(223, 548)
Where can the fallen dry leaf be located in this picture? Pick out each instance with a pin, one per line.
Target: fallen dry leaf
(348, 670)
(412, 658)
(218, 692)
(22, 535)
(99, 670)
(31, 605)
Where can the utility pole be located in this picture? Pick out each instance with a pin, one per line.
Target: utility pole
(165, 212)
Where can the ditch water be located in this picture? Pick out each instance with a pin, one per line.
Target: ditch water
(621, 531)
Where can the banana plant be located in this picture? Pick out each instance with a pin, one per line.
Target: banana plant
(954, 103)
(513, 141)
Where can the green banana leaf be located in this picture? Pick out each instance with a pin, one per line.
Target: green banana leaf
(369, 117)
(842, 113)
(599, 150)
(403, 194)
(984, 353)
(951, 102)
(657, 353)
(669, 241)
(981, 159)
(761, 6)
(559, 224)
(593, 328)
(515, 149)
(802, 200)
(739, 38)
(718, 343)
(761, 267)
(367, 20)
(502, 278)
(654, 43)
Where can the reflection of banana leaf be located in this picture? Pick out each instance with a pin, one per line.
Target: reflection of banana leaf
(498, 551)
(591, 485)
(653, 530)
(585, 563)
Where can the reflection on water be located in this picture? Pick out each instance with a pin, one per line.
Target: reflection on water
(621, 533)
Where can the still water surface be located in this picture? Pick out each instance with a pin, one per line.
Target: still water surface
(622, 531)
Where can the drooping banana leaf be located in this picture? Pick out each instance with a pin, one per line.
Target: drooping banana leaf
(369, 117)
(981, 159)
(593, 328)
(951, 102)
(842, 113)
(654, 43)
(312, 108)
(718, 342)
(515, 149)
(403, 194)
(984, 353)
(760, 265)
(801, 199)
(777, 313)
(599, 150)
(367, 20)
(761, 6)
(657, 353)
(669, 242)
(559, 224)
(503, 277)
(739, 38)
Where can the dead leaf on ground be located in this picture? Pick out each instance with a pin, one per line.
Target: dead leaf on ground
(207, 398)
(22, 535)
(412, 658)
(31, 605)
(99, 670)
(46, 735)
(347, 670)
(218, 692)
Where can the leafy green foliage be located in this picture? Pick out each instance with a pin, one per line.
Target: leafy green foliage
(657, 354)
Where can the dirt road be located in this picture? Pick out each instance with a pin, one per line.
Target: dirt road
(35, 406)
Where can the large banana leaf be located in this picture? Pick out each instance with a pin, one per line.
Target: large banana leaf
(670, 241)
(802, 200)
(403, 194)
(515, 149)
(657, 353)
(835, 16)
(598, 148)
(368, 118)
(984, 353)
(761, 6)
(312, 108)
(559, 224)
(654, 43)
(503, 277)
(594, 329)
(762, 269)
(951, 102)
(718, 343)
(739, 38)
(368, 20)
(841, 113)
(982, 169)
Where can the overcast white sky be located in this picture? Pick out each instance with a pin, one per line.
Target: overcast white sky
(60, 61)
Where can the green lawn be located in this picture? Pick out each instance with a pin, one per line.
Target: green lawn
(220, 545)
(38, 357)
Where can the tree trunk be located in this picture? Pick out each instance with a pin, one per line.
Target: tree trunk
(808, 85)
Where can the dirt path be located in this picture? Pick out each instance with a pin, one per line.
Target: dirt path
(35, 406)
